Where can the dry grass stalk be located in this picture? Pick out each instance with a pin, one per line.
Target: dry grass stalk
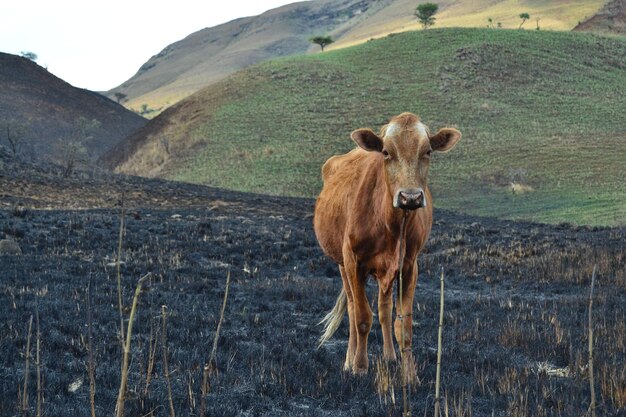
(118, 264)
(166, 369)
(151, 357)
(439, 348)
(592, 406)
(91, 367)
(403, 371)
(38, 357)
(190, 397)
(210, 365)
(26, 366)
(119, 407)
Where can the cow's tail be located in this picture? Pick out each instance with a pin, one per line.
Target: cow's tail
(333, 319)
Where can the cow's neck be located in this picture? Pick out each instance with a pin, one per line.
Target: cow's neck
(393, 217)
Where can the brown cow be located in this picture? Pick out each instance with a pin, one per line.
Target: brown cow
(358, 216)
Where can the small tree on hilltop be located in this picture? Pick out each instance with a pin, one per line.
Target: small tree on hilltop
(524, 17)
(29, 55)
(425, 14)
(322, 41)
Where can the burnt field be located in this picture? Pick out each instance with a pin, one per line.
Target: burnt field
(515, 335)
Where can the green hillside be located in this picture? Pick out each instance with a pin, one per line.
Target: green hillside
(543, 110)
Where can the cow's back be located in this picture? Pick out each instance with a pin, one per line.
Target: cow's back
(342, 175)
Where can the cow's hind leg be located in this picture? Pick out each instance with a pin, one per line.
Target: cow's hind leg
(385, 307)
(352, 339)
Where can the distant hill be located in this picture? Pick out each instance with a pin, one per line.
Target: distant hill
(48, 108)
(542, 113)
(209, 55)
(610, 19)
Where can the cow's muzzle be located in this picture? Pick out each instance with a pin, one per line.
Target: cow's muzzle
(409, 199)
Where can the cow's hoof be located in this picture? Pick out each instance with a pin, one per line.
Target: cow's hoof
(390, 356)
(359, 371)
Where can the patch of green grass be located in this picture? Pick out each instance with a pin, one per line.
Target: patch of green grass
(546, 109)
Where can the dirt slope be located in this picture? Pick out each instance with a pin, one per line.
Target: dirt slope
(209, 55)
(49, 106)
(610, 19)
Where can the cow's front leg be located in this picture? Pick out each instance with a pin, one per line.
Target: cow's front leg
(357, 275)
(404, 318)
(385, 307)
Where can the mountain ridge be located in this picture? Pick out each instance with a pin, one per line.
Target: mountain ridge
(209, 55)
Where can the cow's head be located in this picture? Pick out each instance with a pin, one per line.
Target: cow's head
(405, 145)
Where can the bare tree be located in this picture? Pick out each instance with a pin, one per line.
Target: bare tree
(165, 143)
(14, 133)
(74, 149)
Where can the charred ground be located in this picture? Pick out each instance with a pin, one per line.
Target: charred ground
(515, 325)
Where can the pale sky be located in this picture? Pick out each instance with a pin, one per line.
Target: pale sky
(100, 44)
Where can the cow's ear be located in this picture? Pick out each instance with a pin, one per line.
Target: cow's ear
(445, 139)
(367, 140)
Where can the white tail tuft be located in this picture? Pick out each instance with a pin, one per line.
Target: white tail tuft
(333, 319)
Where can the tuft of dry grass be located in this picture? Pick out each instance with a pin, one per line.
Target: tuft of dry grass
(384, 381)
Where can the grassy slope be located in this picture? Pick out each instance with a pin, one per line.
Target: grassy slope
(544, 108)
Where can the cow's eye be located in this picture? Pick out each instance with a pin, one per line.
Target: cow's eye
(427, 154)
(385, 154)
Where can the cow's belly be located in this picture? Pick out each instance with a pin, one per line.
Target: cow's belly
(329, 225)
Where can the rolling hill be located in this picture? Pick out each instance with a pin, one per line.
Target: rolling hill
(209, 55)
(543, 116)
(48, 107)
